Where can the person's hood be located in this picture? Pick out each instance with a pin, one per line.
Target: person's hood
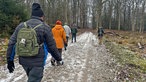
(58, 27)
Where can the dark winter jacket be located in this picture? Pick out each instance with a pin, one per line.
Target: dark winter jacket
(44, 36)
(100, 31)
(74, 30)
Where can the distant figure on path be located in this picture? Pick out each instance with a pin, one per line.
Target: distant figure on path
(100, 34)
(74, 32)
(68, 32)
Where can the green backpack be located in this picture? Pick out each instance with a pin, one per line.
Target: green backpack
(27, 41)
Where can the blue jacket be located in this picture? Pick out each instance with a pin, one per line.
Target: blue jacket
(44, 36)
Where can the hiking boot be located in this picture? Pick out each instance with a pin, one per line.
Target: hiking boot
(59, 63)
(52, 62)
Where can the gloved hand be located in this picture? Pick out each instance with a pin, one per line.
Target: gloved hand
(66, 44)
(59, 63)
(10, 66)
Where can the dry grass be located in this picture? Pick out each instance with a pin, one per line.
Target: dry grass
(3, 48)
(124, 47)
(128, 39)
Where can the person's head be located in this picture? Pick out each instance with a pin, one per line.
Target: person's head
(65, 23)
(74, 24)
(58, 22)
(100, 27)
(37, 11)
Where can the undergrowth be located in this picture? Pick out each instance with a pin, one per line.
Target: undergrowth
(132, 68)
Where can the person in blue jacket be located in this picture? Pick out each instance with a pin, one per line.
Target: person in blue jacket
(34, 66)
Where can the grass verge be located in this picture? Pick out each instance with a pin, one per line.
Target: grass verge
(132, 66)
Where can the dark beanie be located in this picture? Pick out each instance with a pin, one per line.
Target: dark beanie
(36, 10)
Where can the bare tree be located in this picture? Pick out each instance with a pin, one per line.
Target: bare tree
(141, 29)
(112, 14)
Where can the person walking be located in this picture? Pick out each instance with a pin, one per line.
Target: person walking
(100, 34)
(74, 32)
(60, 39)
(68, 32)
(33, 64)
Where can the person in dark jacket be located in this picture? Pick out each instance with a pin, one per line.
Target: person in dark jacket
(74, 32)
(100, 34)
(34, 65)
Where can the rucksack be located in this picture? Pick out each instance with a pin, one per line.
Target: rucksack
(73, 30)
(100, 31)
(27, 41)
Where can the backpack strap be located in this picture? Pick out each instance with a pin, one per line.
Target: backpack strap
(25, 24)
(37, 26)
(34, 27)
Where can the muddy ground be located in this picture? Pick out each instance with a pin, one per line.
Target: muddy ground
(84, 61)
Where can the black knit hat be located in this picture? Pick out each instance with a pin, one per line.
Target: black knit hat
(36, 10)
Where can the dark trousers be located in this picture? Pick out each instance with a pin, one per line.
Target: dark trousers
(67, 41)
(67, 38)
(60, 51)
(34, 74)
(73, 37)
(100, 39)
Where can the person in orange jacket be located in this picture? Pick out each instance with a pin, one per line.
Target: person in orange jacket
(59, 37)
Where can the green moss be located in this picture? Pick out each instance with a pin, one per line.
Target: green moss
(140, 63)
(127, 58)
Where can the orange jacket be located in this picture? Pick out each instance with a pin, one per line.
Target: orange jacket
(59, 36)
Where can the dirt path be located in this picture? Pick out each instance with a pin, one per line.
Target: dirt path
(84, 61)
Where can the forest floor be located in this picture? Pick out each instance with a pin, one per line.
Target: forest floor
(129, 50)
(116, 60)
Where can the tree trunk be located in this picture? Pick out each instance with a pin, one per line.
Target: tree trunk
(142, 17)
(110, 14)
(99, 10)
(66, 11)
